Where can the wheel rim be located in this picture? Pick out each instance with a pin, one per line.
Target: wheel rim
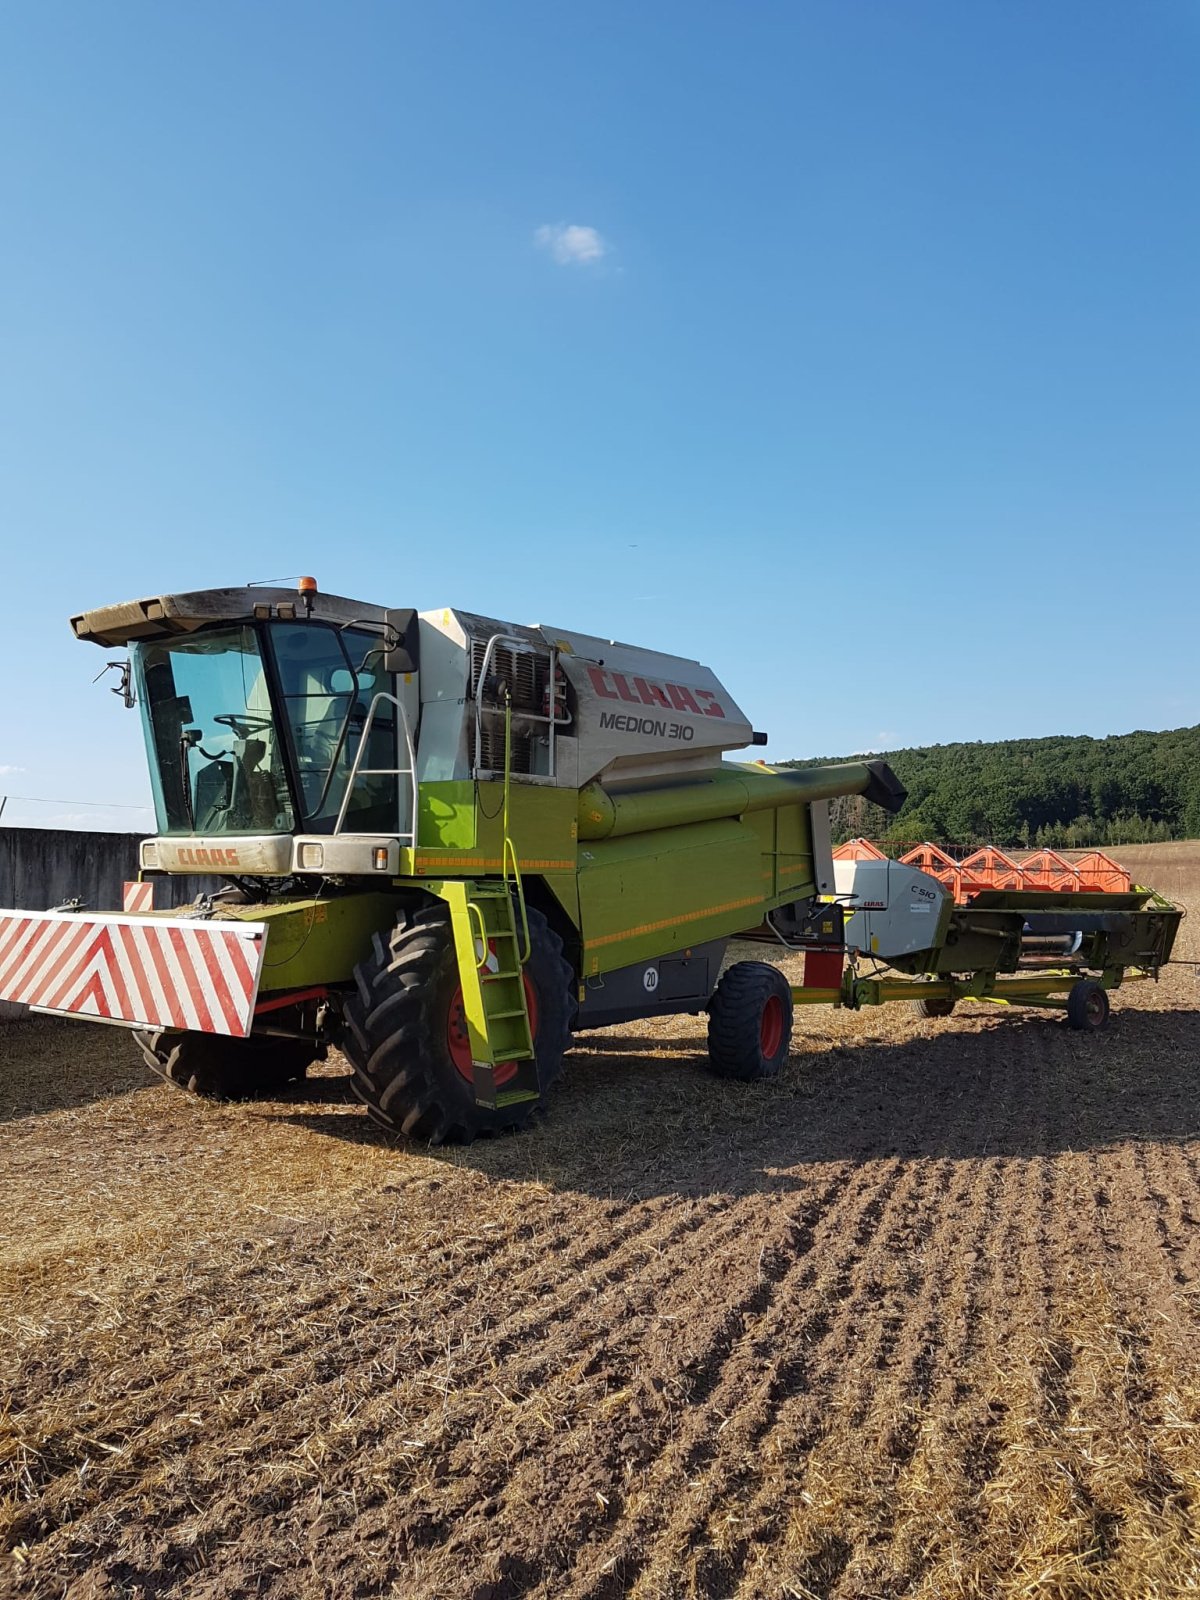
(1096, 1007)
(770, 1027)
(458, 1040)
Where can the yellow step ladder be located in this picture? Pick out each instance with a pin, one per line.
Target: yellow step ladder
(490, 960)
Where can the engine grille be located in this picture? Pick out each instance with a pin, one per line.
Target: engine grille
(491, 748)
(525, 673)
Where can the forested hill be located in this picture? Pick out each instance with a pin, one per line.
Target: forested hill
(1065, 791)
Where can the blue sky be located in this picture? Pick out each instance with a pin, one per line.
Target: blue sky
(868, 373)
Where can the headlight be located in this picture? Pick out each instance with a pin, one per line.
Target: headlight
(312, 857)
(149, 854)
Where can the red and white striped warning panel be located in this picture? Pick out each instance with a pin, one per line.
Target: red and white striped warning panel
(137, 897)
(160, 973)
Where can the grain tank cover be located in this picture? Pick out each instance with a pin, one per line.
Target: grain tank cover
(641, 713)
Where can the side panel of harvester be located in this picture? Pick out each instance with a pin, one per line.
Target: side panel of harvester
(642, 714)
(667, 891)
(669, 866)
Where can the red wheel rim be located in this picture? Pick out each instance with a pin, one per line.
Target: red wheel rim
(458, 1041)
(770, 1028)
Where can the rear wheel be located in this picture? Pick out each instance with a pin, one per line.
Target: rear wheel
(1087, 1006)
(220, 1068)
(750, 1022)
(406, 1034)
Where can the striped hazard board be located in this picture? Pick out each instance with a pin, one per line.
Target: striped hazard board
(143, 972)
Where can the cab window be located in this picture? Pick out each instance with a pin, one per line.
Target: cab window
(328, 678)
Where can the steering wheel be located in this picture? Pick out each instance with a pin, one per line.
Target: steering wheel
(244, 723)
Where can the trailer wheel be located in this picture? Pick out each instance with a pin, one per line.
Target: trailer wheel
(933, 1008)
(219, 1068)
(1087, 1006)
(750, 1022)
(406, 1039)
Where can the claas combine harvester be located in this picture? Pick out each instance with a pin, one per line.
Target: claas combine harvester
(444, 843)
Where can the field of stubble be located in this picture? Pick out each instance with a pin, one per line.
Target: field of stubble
(921, 1318)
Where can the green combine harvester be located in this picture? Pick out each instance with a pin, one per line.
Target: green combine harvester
(445, 843)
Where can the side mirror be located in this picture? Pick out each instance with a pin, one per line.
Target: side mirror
(124, 684)
(402, 641)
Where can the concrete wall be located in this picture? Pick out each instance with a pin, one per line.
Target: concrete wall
(42, 867)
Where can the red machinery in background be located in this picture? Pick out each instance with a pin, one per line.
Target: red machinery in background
(1075, 872)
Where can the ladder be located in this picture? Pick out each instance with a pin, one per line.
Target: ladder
(488, 946)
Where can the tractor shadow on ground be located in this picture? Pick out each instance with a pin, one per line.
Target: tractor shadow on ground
(640, 1115)
(54, 1064)
(320, 1088)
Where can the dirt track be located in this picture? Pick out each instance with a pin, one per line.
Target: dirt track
(919, 1319)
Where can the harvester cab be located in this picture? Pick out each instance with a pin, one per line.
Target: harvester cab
(267, 721)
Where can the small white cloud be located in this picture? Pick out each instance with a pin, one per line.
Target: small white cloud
(570, 244)
(8, 771)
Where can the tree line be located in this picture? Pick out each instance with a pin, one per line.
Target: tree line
(1066, 792)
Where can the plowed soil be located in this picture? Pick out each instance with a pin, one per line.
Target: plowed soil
(920, 1318)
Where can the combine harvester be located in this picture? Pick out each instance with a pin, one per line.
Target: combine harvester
(444, 843)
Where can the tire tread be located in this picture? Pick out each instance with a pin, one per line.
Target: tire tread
(399, 1074)
(734, 1021)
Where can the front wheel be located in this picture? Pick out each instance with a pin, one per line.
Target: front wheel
(406, 1035)
(219, 1068)
(750, 1022)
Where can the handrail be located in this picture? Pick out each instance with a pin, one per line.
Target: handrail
(508, 852)
(357, 770)
(530, 648)
(552, 699)
(474, 911)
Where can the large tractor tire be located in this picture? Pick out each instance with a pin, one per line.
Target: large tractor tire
(219, 1068)
(750, 1022)
(406, 1036)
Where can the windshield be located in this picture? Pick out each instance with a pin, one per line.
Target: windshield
(215, 760)
(217, 754)
(329, 678)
